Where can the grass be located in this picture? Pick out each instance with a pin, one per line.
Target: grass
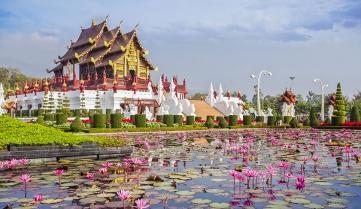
(15, 132)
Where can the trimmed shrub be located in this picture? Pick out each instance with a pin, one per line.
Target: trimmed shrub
(115, 120)
(355, 114)
(40, 120)
(218, 118)
(223, 123)
(25, 113)
(306, 122)
(49, 117)
(227, 118)
(190, 120)
(336, 121)
(77, 113)
(233, 120)
(168, 120)
(340, 107)
(210, 116)
(198, 118)
(287, 119)
(247, 120)
(209, 123)
(140, 120)
(313, 118)
(77, 125)
(260, 119)
(40, 112)
(271, 120)
(294, 123)
(178, 119)
(132, 118)
(61, 118)
(98, 120)
(159, 118)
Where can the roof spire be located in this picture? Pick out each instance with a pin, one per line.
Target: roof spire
(93, 22)
(136, 26)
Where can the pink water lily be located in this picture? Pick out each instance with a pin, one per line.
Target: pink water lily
(300, 182)
(38, 198)
(90, 176)
(142, 204)
(59, 173)
(107, 165)
(25, 178)
(123, 195)
(103, 171)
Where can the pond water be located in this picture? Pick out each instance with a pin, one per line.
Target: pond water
(192, 170)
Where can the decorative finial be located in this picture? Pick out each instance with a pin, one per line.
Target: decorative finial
(136, 26)
(93, 22)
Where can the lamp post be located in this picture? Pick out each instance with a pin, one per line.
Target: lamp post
(317, 80)
(263, 72)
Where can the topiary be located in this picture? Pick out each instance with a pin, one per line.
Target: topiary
(40, 120)
(294, 123)
(49, 117)
(247, 120)
(223, 123)
(77, 113)
(340, 107)
(168, 120)
(271, 120)
(306, 122)
(210, 116)
(355, 114)
(159, 118)
(209, 123)
(140, 120)
(178, 119)
(77, 125)
(314, 122)
(190, 120)
(115, 120)
(61, 118)
(233, 120)
(260, 119)
(287, 119)
(99, 121)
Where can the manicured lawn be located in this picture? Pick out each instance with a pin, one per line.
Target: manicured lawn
(15, 132)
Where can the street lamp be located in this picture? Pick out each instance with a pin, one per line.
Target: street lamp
(317, 80)
(263, 72)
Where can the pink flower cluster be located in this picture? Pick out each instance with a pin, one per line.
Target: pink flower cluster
(13, 163)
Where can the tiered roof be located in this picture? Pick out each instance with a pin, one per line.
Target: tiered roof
(98, 45)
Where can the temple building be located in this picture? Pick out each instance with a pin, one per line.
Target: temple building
(103, 69)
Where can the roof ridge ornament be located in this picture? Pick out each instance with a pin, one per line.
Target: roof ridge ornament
(93, 22)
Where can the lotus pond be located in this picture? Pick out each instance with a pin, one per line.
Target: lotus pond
(263, 168)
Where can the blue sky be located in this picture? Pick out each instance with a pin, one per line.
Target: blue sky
(203, 40)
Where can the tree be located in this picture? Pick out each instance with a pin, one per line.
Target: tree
(355, 114)
(340, 109)
(10, 76)
(198, 96)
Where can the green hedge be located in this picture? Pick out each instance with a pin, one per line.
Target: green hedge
(49, 117)
(99, 121)
(178, 119)
(287, 119)
(294, 123)
(260, 119)
(159, 118)
(247, 120)
(223, 123)
(25, 113)
(77, 113)
(190, 120)
(140, 120)
(61, 118)
(210, 116)
(168, 120)
(40, 120)
(233, 120)
(209, 123)
(115, 120)
(355, 114)
(271, 120)
(336, 121)
(77, 125)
